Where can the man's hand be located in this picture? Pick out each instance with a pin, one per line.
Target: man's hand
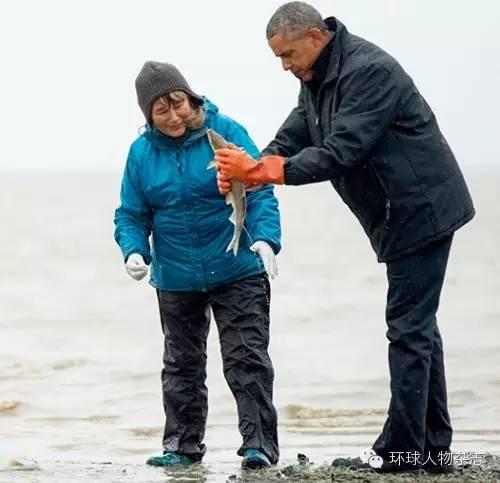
(224, 184)
(234, 163)
(136, 267)
(268, 257)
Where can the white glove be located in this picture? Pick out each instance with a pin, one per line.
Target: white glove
(136, 267)
(268, 257)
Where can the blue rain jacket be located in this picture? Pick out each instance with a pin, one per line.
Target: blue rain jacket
(172, 213)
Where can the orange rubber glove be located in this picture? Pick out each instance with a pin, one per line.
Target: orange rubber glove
(224, 184)
(235, 163)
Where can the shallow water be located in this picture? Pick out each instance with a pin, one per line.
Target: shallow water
(80, 343)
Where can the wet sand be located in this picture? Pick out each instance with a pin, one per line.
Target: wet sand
(67, 471)
(489, 471)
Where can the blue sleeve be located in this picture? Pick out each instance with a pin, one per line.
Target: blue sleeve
(133, 218)
(263, 216)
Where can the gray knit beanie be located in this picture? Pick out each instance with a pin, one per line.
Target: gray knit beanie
(157, 79)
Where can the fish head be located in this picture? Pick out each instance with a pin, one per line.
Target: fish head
(216, 140)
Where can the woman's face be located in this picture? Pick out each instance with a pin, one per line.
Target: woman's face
(169, 116)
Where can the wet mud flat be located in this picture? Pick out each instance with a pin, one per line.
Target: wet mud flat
(103, 471)
(488, 471)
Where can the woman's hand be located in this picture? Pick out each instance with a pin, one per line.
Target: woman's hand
(136, 267)
(268, 257)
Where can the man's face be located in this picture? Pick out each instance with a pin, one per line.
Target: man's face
(298, 55)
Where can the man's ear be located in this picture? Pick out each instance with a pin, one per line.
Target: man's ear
(316, 36)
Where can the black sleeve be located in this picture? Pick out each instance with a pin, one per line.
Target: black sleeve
(369, 102)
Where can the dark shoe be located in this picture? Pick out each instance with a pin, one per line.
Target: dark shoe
(253, 459)
(170, 459)
(439, 461)
(400, 468)
(377, 464)
(439, 469)
(350, 463)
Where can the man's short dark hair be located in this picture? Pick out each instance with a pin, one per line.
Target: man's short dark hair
(294, 19)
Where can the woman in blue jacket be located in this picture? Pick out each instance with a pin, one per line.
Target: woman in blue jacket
(168, 194)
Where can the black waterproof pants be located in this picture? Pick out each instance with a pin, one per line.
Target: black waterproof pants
(418, 419)
(241, 311)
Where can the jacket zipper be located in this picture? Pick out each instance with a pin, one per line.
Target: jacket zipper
(317, 103)
(387, 211)
(177, 160)
(317, 111)
(387, 200)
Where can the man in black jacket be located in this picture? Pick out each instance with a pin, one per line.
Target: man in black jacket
(361, 124)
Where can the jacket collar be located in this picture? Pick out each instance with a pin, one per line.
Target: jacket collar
(320, 66)
(330, 66)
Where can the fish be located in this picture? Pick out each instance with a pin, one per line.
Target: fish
(236, 197)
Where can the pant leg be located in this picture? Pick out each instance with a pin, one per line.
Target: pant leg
(418, 389)
(241, 311)
(439, 431)
(185, 320)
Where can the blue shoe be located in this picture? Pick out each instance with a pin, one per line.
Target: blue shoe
(170, 459)
(253, 459)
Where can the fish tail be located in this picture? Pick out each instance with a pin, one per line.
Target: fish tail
(234, 244)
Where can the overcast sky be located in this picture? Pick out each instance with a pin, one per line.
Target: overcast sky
(67, 96)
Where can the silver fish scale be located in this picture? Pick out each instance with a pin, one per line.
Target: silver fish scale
(236, 197)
